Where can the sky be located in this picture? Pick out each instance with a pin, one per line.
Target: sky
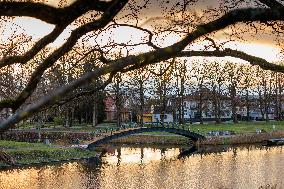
(261, 46)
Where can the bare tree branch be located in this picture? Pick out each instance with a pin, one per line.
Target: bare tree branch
(253, 60)
(85, 92)
(43, 42)
(61, 17)
(66, 47)
(271, 3)
(117, 66)
(49, 14)
(158, 55)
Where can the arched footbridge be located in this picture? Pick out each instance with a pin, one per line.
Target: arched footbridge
(130, 131)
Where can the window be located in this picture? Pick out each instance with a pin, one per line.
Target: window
(164, 116)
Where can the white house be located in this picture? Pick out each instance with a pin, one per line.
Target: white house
(158, 115)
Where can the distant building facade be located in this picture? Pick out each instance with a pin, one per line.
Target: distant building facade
(191, 109)
(111, 111)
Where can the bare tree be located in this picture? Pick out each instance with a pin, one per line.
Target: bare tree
(264, 93)
(104, 15)
(278, 93)
(139, 84)
(216, 76)
(233, 80)
(162, 88)
(200, 74)
(118, 98)
(247, 82)
(181, 77)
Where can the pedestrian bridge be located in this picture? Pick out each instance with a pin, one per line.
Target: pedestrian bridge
(130, 131)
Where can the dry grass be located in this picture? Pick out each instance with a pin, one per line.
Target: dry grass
(242, 138)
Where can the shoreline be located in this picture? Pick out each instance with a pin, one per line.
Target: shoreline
(249, 138)
(42, 163)
(50, 155)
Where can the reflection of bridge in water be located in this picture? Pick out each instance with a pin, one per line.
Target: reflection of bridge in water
(129, 155)
(130, 131)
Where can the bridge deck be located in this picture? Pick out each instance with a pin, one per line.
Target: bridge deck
(130, 131)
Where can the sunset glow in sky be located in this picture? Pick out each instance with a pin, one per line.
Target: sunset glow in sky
(37, 29)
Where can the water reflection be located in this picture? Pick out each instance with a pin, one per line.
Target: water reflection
(129, 155)
(126, 167)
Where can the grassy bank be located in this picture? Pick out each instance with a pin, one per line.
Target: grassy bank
(161, 138)
(238, 128)
(26, 153)
(50, 126)
(248, 138)
(245, 133)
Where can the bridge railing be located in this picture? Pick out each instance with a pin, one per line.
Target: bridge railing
(169, 125)
(125, 126)
(113, 133)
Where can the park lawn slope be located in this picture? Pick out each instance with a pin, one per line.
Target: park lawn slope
(238, 128)
(30, 153)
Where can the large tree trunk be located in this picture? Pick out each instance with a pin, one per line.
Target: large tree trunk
(118, 100)
(141, 94)
(261, 103)
(278, 95)
(219, 105)
(180, 110)
(69, 117)
(164, 103)
(118, 117)
(95, 115)
(182, 83)
(266, 103)
(216, 103)
(279, 98)
(247, 105)
(200, 106)
(234, 104)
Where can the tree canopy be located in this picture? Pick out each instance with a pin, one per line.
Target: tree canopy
(89, 20)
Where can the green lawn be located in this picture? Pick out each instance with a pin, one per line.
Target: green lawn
(4, 144)
(239, 128)
(76, 127)
(25, 152)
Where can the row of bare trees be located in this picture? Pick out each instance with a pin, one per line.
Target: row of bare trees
(158, 32)
(244, 85)
(238, 85)
(88, 108)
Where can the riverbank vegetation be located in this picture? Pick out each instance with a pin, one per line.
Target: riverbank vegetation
(238, 128)
(245, 133)
(31, 153)
(83, 133)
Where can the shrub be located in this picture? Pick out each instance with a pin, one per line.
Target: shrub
(58, 120)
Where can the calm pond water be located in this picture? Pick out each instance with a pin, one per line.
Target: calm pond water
(159, 168)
